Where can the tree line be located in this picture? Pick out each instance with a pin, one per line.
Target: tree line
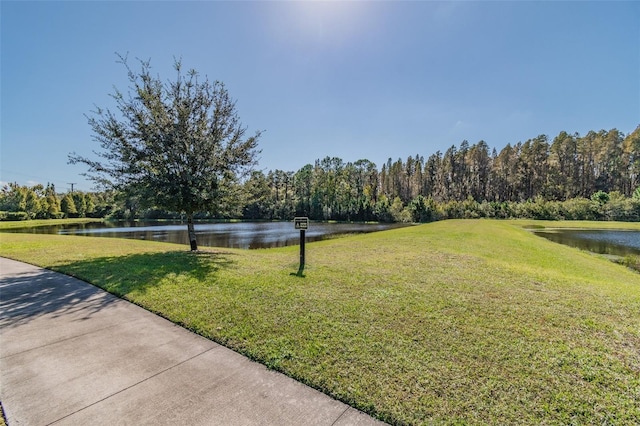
(564, 178)
(19, 202)
(591, 177)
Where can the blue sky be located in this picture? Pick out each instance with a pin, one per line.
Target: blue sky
(354, 80)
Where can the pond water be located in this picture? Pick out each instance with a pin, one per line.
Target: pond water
(245, 235)
(611, 242)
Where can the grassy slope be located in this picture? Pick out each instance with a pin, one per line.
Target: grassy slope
(575, 224)
(43, 222)
(456, 321)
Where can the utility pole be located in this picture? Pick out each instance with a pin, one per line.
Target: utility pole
(72, 183)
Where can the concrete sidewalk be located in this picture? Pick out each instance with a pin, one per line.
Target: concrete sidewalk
(72, 354)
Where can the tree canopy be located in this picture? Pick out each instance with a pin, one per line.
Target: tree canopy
(590, 177)
(177, 145)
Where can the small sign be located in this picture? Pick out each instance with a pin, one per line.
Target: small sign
(301, 222)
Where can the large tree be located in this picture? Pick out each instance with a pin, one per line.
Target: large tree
(178, 145)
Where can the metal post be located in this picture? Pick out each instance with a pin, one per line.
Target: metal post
(302, 240)
(301, 223)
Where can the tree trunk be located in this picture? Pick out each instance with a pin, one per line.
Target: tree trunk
(192, 232)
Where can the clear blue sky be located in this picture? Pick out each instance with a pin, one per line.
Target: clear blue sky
(349, 79)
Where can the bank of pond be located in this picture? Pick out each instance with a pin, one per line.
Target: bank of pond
(243, 235)
(256, 235)
(614, 242)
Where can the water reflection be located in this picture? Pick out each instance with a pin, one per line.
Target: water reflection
(611, 242)
(246, 235)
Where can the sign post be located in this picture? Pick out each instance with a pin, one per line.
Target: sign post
(301, 223)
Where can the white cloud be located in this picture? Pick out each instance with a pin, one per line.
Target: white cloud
(460, 128)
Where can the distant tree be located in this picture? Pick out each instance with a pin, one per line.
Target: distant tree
(382, 209)
(90, 206)
(52, 202)
(257, 190)
(80, 202)
(587, 148)
(364, 180)
(178, 146)
(600, 197)
(68, 206)
(504, 174)
(281, 188)
(479, 166)
(432, 177)
(303, 184)
(632, 160)
(398, 211)
(563, 173)
(13, 197)
(422, 209)
(32, 204)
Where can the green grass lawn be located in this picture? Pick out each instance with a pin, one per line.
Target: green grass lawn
(9, 225)
(455, 322)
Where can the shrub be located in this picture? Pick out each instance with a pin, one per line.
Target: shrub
(631, 261)
(14, 216)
